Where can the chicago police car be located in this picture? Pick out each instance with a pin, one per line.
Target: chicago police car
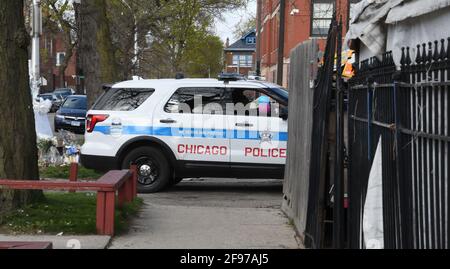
(179, 128)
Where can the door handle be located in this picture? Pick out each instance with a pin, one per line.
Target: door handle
(244, 124)
(168, 121)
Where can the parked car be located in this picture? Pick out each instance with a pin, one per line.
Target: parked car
(144, 123)
(63, 93)
(72, 114)
(56, 102)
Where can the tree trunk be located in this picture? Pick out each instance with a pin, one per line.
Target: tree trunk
(96, 50)
(18, 150)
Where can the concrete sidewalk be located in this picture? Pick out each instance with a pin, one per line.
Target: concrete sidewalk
(63, 242)
(205, 214)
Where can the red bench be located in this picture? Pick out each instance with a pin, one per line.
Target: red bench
(121, 182)
(26, 245)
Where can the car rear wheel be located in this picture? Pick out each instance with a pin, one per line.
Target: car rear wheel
(154, 171)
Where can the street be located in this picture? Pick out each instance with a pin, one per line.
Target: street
(212, 213)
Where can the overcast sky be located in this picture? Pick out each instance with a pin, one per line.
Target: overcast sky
(225, 28)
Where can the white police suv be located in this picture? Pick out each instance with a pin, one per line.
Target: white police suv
(179, 128)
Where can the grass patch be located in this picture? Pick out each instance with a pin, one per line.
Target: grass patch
(69, 213)
(62, 172)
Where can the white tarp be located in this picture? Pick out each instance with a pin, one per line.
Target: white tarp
(423, 29)
(384, 25)
(43, 128)
(373, 207)
(413, 9)
(367, 23)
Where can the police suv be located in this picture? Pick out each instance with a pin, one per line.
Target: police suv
(186, 128)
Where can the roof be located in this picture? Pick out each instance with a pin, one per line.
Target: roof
(174, 83)
(77, 96)
(242, 45)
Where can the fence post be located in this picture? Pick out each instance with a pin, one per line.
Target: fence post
(134, 172)
(73, 173)
(338, 210)
(370, 81)
(398, 163)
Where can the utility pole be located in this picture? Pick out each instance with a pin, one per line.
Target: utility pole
(36, 26)
(258, 37)
(281, 42)
(78, 69)
(136, 43)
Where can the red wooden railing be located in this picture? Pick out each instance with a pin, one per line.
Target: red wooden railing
(121, 182)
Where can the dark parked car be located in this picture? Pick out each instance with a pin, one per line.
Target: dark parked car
(72, 114)
(63, 93)
(56, 102)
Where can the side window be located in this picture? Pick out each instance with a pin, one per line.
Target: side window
(196, 100)
(181, 102)
(125, 99)
(251, 102)
(211, 99)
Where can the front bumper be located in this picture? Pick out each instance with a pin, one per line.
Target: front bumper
(99, 163)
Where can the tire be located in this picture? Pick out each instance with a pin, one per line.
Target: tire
(154, 170)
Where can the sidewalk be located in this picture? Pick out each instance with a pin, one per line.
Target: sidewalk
(210, 214)
(63, 242)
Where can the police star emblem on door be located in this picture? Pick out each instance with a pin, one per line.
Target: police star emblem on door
(265, 136)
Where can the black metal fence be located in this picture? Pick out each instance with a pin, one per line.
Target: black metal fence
(319, 165)
(409, 110)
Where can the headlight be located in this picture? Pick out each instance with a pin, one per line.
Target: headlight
(60, 117)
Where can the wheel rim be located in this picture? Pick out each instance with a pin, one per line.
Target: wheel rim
(148, 171)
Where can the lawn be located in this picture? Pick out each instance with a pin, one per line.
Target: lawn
(62, 172)
(69, 213)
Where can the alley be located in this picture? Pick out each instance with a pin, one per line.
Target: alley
(212, 213)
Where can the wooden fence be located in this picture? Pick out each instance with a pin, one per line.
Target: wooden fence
(303, 69)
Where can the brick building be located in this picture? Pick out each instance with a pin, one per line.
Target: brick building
(52, 55)
(240, 56)
(304, 19)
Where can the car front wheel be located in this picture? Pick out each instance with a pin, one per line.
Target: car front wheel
(154, 171)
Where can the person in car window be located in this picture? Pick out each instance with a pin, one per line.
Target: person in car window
(263, 105)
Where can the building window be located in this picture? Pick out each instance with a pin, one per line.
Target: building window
(243, 60)
(60, 57)
(235, 59)
(322, 14)
(251, 40)
(248, 60)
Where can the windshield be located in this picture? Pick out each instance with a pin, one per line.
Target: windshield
(75, 103)
(47, 97)
(283, 93)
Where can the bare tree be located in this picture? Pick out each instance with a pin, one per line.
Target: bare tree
(60, 13)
